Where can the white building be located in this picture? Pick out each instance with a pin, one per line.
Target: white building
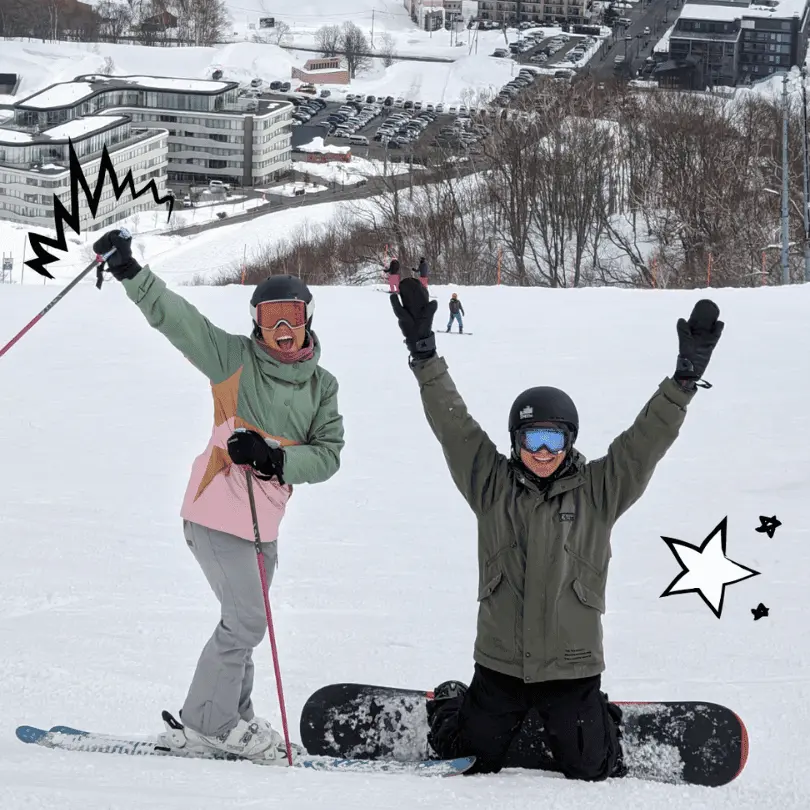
(34, 167)
(206, 130)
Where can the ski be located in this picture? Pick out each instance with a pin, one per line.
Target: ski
(71, 739)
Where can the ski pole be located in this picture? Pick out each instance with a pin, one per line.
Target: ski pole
(263, 577)
(97, 262)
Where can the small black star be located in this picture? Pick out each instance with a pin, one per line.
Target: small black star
(769, 525)
(759, 611)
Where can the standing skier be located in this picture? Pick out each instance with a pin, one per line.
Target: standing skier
(545, 517)
(456, 311)
(393, 276)
(268, 386)
(423, 272)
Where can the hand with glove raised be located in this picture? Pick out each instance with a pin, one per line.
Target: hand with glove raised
(249, 448)
(415, 315)
(697, 338)
(120, 264)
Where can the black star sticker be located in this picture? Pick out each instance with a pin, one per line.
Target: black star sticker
(769, 525)
(759, 611)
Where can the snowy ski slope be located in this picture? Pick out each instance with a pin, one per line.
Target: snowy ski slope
(103, 611)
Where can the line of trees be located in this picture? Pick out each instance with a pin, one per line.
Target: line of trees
(586, 187)
(351, 42)
(150, 22)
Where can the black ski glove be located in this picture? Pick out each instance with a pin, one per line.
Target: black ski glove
(696, 341)
(415, 316)
(120, 264)
(248, 447)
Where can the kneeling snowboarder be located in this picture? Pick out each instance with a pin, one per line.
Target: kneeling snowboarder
(545, 517)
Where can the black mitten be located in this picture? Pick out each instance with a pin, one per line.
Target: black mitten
(415, 315)
(697, 338)
(248, 447)
(120, 264)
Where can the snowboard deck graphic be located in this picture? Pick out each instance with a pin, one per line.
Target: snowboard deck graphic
(694, 743)
(72, 739)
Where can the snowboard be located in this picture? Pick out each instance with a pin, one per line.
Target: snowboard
(71, 739)
(441, 332)
(674, 742)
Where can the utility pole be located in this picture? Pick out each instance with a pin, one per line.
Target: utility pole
(785, 192)
(806, 199)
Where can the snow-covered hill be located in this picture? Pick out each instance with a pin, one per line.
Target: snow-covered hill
(103, 611)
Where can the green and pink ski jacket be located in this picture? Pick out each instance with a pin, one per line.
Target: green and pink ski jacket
(296, 404)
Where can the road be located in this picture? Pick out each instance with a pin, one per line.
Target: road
(631, 41)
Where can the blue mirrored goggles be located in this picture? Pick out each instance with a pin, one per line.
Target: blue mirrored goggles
(554, 439)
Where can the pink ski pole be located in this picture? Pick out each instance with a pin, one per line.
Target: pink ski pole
(263, 577)
(97, 262)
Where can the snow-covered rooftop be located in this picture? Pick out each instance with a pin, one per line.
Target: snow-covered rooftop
(60, 95)
(67, 94)
(78, 128)
(14, 136)
(165, 83)
(780, 9)
(82, 126)
(317, 145)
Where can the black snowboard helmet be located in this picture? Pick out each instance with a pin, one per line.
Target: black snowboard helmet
(281, 288)
(542, 404)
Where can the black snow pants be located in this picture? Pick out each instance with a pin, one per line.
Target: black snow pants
(580, 726)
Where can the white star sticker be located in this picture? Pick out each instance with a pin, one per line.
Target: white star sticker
(706, 569)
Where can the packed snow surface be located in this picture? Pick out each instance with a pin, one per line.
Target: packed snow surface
(103, 611)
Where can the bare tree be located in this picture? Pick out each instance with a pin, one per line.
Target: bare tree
(328, 39)
(355, 47)
(116, 19)
(202, 22)
(387, 49)
(281, 34)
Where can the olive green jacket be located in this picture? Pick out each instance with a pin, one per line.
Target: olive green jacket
(543, 554)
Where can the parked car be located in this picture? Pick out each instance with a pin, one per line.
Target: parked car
(325, 93)
(276, 85)
(285, 87)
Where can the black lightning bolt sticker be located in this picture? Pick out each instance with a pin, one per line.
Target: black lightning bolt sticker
(72, 218)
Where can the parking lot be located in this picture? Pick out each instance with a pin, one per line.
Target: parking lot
(389, 125)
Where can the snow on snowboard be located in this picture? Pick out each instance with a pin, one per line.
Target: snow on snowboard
(675, 742)
(71, 739)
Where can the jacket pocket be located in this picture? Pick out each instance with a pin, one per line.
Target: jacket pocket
(497, 620)
(489, 588)
(589, 597)
(584, 560)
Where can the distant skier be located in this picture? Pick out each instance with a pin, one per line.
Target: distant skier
(545, 517)
(271, 385)
(456, 311)
(423, 272)
(393, 276)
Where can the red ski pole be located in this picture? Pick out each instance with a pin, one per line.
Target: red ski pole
(268, 613)
(97, 262)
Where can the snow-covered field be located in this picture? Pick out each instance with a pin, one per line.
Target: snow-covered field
(183, 258)
(103, 611)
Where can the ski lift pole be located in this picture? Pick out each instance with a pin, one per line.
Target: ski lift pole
(97, 262)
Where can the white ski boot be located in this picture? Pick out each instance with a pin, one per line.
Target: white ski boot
(252, 740)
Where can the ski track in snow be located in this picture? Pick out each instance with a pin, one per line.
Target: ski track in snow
(103, 611)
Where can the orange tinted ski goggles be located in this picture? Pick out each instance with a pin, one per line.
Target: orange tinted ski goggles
(269, 314)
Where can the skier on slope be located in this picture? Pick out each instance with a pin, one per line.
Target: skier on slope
(393, 276)
(423, 272)
(545, 517)
(271, 385)
(456, 311)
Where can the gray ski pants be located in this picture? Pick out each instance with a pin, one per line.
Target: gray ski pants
(222, 684)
